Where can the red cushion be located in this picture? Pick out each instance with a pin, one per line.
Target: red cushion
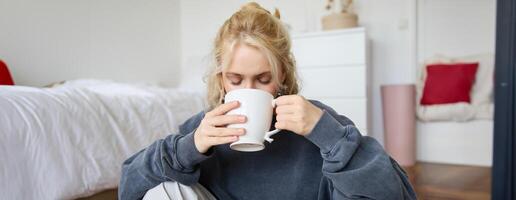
(5, 76)
(448, 83)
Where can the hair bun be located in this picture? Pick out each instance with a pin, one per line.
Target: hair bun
(276, 13)
(252, 6)
(256, 6)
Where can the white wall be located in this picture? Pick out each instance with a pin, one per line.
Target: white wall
(387, 22)
(126, 40)
(129, 40)
(443, 30)
(54, 40)
(391, 28)
(454, 29)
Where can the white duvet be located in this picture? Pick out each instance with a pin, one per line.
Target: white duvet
(70, 141)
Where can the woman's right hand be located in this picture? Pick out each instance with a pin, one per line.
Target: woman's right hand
(212, 129)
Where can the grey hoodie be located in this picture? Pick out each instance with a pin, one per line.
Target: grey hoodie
(333, 162)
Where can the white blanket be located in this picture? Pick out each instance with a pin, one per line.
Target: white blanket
(70, 141)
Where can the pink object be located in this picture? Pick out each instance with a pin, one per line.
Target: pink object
(399, 121)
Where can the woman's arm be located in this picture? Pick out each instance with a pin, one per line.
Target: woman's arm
(177, 157)
(356, 166)
(174, 158)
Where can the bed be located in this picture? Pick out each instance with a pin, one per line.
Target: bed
(69, 141)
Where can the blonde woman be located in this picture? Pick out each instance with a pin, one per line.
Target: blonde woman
(319, 154)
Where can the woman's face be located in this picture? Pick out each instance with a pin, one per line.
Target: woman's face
(249, 69)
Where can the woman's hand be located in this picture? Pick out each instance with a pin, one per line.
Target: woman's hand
(296, 114)
(212, 130)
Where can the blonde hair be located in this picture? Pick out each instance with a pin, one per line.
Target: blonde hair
(254, 26)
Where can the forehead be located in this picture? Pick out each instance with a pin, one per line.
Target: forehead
(247, 60)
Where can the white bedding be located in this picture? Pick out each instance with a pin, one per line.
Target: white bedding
(70, 141)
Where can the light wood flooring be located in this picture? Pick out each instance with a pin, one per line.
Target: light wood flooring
(450, 182)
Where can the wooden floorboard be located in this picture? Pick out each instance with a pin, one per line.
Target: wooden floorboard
(450, 182)
(104, 195)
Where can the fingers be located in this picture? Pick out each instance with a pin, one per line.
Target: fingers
(223, 120)
(223, 135)
(287, 109)
(289, 100)
(209, 134)
(223, 109)
(223, 132)
(287, 121)
(286, 125)
(221, 140)
(288, 117)
(301, 121)
(205, 138)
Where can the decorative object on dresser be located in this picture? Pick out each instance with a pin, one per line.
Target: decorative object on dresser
(345, 18)
(333, 68)
(399, 121)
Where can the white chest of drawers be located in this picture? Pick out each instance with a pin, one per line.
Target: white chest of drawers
(333, 69)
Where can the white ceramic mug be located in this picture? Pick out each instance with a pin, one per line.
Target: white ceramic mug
(257, 106)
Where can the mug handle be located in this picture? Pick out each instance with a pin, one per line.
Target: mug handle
(270, 133)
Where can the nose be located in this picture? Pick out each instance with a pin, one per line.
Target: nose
(250, 85)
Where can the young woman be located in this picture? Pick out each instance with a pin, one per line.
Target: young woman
(319, 154)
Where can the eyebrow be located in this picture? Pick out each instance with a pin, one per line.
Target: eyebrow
(240, 75)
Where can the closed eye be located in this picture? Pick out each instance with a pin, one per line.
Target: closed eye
(234, 79)
(265, 78)
(235, 83)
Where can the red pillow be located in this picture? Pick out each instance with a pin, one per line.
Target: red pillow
(5, 76)
(448, 83)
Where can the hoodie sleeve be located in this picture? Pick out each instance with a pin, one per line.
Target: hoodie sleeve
(174, 158)
(356, 166)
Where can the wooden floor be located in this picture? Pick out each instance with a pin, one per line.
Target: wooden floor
(444, 181)
(104, 195)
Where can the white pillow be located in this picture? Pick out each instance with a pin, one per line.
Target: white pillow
(482, 90)
(481, 106)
